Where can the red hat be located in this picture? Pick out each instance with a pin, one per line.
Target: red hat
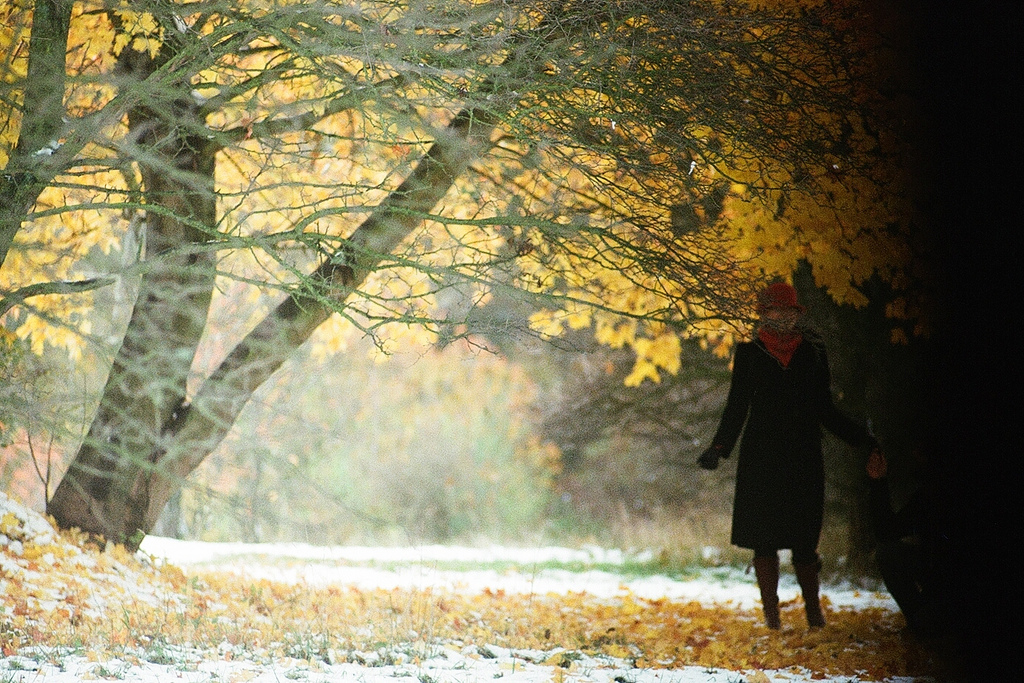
(778, 295)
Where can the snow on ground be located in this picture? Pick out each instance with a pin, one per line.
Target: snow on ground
(24, 533)
(445, 666)
(423, 567)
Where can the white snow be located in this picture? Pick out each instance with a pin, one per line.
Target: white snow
(421, 567)
(445, 666)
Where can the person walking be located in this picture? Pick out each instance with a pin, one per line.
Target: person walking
(781, 391)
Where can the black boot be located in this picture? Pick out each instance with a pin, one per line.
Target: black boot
(766, 569)
(807, 577)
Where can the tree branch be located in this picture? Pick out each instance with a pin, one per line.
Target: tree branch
(222, 396)
(18, 296)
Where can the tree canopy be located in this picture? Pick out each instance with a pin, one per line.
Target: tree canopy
(271, 169)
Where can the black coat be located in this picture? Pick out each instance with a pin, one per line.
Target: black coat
(780, 477)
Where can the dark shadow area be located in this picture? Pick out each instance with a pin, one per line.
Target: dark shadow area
(968, 61)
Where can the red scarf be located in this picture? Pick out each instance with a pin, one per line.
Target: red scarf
(780, 343)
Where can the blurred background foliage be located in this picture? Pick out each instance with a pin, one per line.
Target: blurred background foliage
(430, 446)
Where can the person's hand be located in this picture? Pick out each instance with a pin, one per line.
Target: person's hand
(709, 458)
(877, 467)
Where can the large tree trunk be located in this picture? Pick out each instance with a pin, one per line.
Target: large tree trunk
(117, 488)
(104, 490)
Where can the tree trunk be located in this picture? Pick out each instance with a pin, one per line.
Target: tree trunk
(223, 395)
(104, 491)
(30, 168)
(118, 488)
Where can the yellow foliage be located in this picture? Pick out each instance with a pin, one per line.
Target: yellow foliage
(139, 29)
(547, 323)
(615, 333)
(660, 353)
(849, 229)
(49, 248)
(332, 337)
(14, 36)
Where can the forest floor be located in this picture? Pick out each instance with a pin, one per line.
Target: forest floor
(205, 612)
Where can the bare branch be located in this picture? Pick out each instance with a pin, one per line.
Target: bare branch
(11, 299)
